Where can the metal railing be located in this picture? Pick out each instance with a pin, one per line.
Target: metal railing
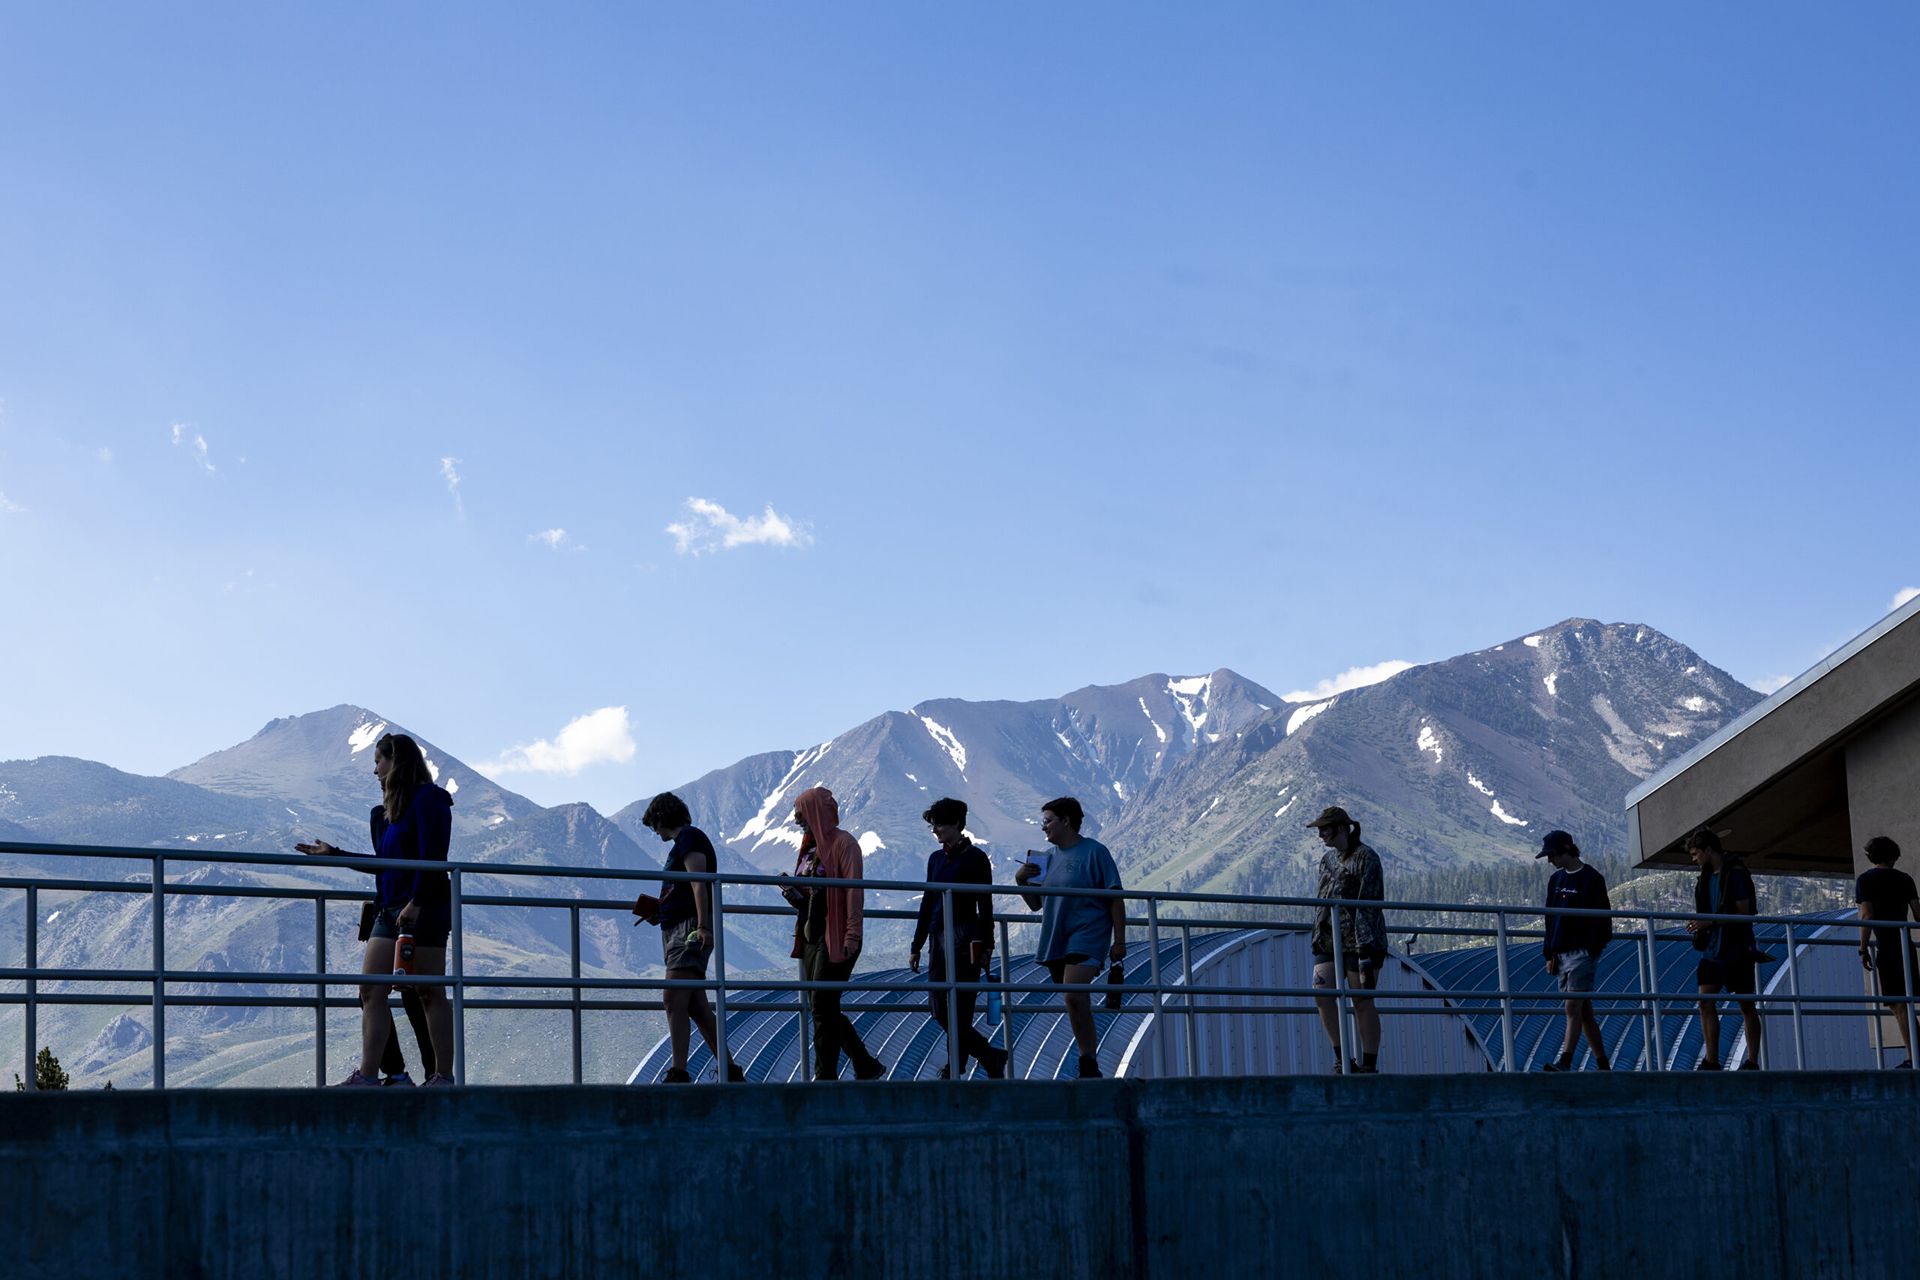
(1167, 1000)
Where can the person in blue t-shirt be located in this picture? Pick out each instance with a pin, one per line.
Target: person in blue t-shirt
(1075, 932)
(414, 822)
(685, 916)
(1724, 888)
(1882, 893)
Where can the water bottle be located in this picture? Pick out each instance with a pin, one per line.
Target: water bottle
(993, 997)
(1115, 976)
(403, 953)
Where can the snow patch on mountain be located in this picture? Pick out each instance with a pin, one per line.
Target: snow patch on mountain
(1506, 817)
(1305, 714)
(365, 736)
(870, 841)
(1281, 812)
(1119, 790)
(1695, 703)
(1063, 741)
(1532, 642)
(1189, 691)
(1158, 731)
(1549, 681)
(761, 825)
(1478, 785)
(1428, 740)
(948, 742)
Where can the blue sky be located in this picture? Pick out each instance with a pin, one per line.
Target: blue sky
(1017, 350)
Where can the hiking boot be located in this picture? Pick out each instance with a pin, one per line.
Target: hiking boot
(676, 1075)
(1089, 1067)
(398, 1080)
(871, 1069)
(357, 1081)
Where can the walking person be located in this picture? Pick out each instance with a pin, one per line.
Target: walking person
(1885, 894)
(393, 1063)
(1724, 887)
(957, 861)
(1573, 944)
(827, 936)
(1076, 933)
(1349, 870)
(414, 821)
(684, 912)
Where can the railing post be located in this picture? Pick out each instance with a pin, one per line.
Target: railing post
(953, 994)
(1641, 962)
(574, 921)
(320, 991)
(1905, 940)
(1186, 973)
(1006, 1002)
(1793, 989)
(720, 1054)
(455, 893)
(159, 971)
(1340, 990)
(1506, 991)
(1159, 998)
(1653, 998)
(33, 984)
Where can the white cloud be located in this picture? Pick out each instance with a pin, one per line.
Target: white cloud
(1351, 678)
(198, 443)
(8, 507)
(103, 454)
(1903, 595)
(1772, 684)
(711, 527)
(450, 472)
(556, 540)
(599, 737)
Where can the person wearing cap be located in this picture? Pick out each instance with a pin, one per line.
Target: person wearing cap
(1724, 887)
(1349, 870)
(1885, 894)
(1573, 943)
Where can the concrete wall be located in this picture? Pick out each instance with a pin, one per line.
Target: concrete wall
(1749, 1176)
(1883, 786)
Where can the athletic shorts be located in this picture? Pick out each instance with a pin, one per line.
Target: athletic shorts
(430, 930)
(1576, 972)
(1735, 976)
(1058, 968)
(676, 946)
(1887, 967)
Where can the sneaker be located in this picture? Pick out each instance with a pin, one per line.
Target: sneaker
(946, 1073)
(357, 1081)
(1706, 1065)
(1903, 1066)
(734, 1074)
(438, 1081)
(871, 1069)
(1355, 1068)
(1089, 1067)
(398, 1080)
(996, 1065)
(676, 1075)
(1558, 1064)
(1749, 1065)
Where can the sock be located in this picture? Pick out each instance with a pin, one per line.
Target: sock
(1369, 1059)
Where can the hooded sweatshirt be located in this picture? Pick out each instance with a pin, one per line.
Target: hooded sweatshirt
(422, 834)
(828, 851)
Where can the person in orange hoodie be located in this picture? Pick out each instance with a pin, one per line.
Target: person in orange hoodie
(826, 937)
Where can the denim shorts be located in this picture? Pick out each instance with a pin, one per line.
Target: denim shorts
(678, 950)
(1576, 972)
(430, 930)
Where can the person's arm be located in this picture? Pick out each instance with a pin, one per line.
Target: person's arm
(923, 924)
(433, 825)
(700, 860)
(856, 900)
(1116, 907)
(1026, 872)
(1603, 929)
(1548, 927)
(1866, 934)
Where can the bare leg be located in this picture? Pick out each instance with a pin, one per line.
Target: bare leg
(439, 1010)
(1710, 1025)
(1570, 1041)
(376, 1020)
(1328, 1006)
(1591, 1025)
(1080, 1006)
(1366, 1017)
(1750, 1018)
(684, 1008)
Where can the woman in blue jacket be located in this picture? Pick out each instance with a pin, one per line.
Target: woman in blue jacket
(414, 821)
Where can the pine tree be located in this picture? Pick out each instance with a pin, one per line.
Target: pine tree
(48, 1075)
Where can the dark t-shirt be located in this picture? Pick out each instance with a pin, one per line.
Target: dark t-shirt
(1586, 889)
(1886, 894)
(1715, 895)
(676, 900)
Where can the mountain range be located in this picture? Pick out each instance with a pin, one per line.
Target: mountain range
(1201, 782)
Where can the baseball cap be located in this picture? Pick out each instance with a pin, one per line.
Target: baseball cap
(1556, 842)
(1332, 816)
